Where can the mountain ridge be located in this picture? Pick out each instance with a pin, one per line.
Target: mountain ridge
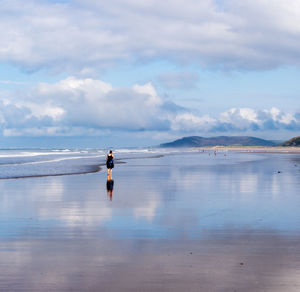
(293, 142)
(197, 141)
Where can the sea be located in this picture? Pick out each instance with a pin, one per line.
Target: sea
(23, 163)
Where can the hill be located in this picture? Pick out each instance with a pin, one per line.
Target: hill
(295, 142)
(196, 141)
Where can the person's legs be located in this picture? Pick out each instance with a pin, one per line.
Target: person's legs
(109, 173)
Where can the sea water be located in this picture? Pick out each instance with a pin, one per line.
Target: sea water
(22, 163)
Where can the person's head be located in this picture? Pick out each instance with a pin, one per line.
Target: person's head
(110, 151)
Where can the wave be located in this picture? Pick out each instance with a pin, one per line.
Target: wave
(55, 162)
(8, 154)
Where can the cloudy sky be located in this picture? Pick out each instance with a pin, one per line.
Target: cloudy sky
(130, 72)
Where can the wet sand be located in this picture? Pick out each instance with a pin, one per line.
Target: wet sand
(190, 222)
(256, 149)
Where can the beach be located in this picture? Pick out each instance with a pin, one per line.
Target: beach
(186, 220)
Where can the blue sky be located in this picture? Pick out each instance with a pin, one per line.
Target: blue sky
(128, 73)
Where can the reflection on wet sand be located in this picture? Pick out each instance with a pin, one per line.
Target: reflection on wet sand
(223, 260)
(178, 223)
(110, 188)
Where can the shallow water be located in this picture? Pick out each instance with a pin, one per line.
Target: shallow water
(182, 222)
(56, 162)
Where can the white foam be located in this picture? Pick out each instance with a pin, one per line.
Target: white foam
(32, 154)
(52, 160)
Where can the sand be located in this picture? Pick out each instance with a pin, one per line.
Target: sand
(189, 222)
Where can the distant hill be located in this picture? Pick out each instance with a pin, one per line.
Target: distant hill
(196, 141)
(292, 142)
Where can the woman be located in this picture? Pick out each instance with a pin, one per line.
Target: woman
(109, 164)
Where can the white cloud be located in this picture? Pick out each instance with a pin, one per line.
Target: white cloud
(240, 117)
(92, 107)
(149, 91)
(258, 120)
(281, 117)
(81, 36)
(188, 122)
(87, 104)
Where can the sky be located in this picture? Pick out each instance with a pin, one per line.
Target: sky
(140, 73)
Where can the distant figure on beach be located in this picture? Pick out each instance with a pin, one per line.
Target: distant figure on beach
(110, 188)
(109, 164)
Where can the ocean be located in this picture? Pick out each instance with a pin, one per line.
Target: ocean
(22, 163)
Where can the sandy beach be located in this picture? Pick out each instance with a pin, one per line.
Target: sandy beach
(267, 149)
(181, 222)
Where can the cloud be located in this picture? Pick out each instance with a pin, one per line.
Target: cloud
(189, 122)
(82, 36)
(240, 120)
(246, 119)
(84, 107)
(89, 107)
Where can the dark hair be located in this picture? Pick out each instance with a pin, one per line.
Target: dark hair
(110, 151)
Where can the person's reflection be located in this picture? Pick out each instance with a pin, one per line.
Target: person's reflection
(110, 188)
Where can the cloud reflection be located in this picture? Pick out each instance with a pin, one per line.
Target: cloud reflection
(241, 260)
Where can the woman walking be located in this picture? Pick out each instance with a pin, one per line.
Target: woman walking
(109, 164)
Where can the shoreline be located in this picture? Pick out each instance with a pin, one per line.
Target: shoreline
(195, 150)
(262, 149)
